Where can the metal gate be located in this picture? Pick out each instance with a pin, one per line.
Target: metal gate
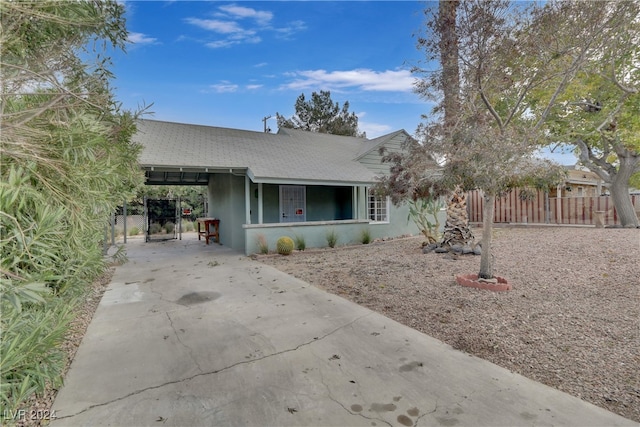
(163, 219)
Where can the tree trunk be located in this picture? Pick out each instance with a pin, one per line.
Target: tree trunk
(617, 178)
(447, 27)
(620, 191)
(486, 259)
(456, 229)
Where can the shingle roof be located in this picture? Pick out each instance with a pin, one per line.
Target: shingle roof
(290, 155)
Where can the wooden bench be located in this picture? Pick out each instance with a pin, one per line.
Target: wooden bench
(209, 228)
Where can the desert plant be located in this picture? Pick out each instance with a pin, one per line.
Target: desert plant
(300, 242)
(169, 226)
(365, 236)
(187, 226)
(332, 238)
(134, 231)
(263, 245)
(424, 212)
(284, 245)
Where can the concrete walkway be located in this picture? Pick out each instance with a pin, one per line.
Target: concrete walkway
(195, 335)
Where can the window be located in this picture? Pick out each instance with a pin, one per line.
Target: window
(378, 207)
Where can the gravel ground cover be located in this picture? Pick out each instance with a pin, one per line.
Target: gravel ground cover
(571, 321)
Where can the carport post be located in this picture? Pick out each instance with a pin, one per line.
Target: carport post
(247, 200)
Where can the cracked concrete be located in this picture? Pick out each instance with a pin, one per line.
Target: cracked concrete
(190, 334)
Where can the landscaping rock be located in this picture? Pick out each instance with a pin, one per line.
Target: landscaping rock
(467, 250)
(429, 248)
(441, 250)
(456, 249)
(477, 250)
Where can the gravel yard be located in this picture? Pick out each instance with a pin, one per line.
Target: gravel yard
(572, 320)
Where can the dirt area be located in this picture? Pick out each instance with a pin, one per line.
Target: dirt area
(571, 321)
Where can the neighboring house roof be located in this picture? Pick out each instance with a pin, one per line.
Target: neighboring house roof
(290, 156)
(580, 175)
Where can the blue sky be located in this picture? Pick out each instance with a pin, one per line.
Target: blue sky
(230, 64)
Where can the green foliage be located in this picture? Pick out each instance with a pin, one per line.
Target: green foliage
(155, 228)
(31, 356)
(332, 238)
(120, 256)
(190, 196)
(134, 231)
(598, 112)
(67, 162)
(301, 245)
(424, 213)
(187, 226)
(365, 236)
(263, 245)
(320, 114)
(169, 227)
(285, 245)
(634, 182)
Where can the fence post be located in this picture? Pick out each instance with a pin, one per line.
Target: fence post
(113, 228)
(179, 218)
(124, 217)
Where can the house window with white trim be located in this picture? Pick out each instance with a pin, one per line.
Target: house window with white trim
(378, 207)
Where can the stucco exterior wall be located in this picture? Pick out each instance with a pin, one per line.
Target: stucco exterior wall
(227, 203)
(349, 231)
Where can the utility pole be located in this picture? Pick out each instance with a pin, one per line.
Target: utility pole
(264, 122)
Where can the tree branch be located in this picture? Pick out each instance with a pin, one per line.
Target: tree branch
(596, 164)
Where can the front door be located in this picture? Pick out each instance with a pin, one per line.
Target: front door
(293, 203)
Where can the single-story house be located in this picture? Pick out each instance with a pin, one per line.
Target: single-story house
(580, 182)
(264, 185)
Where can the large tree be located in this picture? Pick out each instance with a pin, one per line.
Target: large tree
(67, 162)
(321, 114)
(599, 114)
(506, 51)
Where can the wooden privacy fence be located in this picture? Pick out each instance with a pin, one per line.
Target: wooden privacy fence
(543, 209)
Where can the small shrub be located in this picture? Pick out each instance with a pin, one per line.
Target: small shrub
(284, 245)
(155, 228)
(262, 244)
(365, 236)
(332, 238)
(169, 226)
(188, 226)
(300, 243)
(134, 231)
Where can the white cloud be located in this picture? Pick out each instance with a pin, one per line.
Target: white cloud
(253, 87)
(292, 28)
(235, 11)
(140, 38)
(230, 22)
(221, 27)
(362, 78)
(224, 87)
(374, 130)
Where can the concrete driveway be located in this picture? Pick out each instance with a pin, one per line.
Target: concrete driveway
(195, 335)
